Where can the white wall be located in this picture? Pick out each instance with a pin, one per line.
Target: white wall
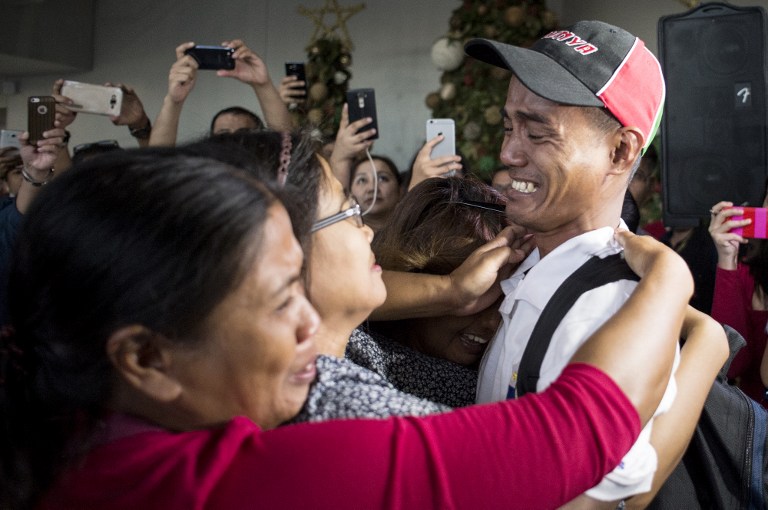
(135, 41)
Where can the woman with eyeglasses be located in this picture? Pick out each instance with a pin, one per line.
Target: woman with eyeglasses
(344, 282)
(150, 371)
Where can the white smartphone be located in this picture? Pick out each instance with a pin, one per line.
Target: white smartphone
(10, 138)
(90, 98)
(445, 127)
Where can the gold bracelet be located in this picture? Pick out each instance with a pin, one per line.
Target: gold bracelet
(32, 181)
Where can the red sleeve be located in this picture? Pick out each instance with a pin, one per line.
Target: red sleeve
(731, 303)
(539, 451)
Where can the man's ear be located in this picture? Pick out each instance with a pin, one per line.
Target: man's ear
(143, 359)
(628, 144)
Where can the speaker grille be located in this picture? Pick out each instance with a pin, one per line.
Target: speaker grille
(714, 125)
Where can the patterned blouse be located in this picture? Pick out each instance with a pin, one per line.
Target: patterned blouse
(434, 379)
(346, 390)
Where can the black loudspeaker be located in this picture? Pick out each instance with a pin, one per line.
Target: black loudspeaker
(713, 131)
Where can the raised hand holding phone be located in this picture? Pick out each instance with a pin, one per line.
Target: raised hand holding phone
(41, 113)
(446, 128)
(362, 104)
(212, 57)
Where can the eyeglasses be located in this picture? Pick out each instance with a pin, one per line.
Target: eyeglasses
(353, 211)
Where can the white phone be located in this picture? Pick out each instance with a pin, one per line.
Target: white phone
(89, 98)
(9, 138)
(445, 127)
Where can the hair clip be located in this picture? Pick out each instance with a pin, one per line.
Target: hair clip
(488, 206)
(285, 159)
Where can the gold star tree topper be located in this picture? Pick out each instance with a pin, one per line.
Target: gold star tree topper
(323, 31)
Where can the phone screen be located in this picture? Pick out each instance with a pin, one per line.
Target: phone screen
(361, 103)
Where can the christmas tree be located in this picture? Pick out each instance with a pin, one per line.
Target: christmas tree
(329, 56)
(473, 93)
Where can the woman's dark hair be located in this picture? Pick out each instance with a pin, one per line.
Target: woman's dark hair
(438, 224)
(238, 110)
(434, 228)
(149, 237)
(259, 153)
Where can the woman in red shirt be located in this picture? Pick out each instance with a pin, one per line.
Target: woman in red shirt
(162, 333)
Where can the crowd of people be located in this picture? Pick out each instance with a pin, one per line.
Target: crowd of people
(261, 314)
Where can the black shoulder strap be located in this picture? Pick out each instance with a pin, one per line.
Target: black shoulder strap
(594, 273)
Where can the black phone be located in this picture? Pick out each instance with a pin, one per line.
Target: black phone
(361, 103)
(298, 70)
(212, 57)
(41, 112)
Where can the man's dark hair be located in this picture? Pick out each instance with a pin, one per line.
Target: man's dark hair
(238, 110)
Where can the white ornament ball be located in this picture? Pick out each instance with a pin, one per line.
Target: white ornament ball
(339, 78)
(447, 91)
(447, 55)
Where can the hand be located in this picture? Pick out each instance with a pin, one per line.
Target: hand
(349, 143)
(291, 90)
(132, 112)
(474, 281)
(726, 242)
(64, 116)
(642, 252)
(249, 68)
(39, 158)
(425, 167)
(181, 77)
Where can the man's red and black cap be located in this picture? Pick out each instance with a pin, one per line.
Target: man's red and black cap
(590, 63)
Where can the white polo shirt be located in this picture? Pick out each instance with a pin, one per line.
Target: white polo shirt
(527, 292)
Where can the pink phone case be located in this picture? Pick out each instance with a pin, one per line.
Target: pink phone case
(758, 229)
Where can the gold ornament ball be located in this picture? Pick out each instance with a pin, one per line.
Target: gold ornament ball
(482, 9)
(315, 116)
(318, 92)
(345, 60)
(447, 91)
(492, 115)
(314, 50)
(490, 31)
(514, 16)
(433, 100)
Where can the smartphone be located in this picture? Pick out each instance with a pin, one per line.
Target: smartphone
(212, 57)
(296, 69)
(89, 98)
(41, 112)
(362, 103)
(9, 138)
(758, 229)
(445, 127)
